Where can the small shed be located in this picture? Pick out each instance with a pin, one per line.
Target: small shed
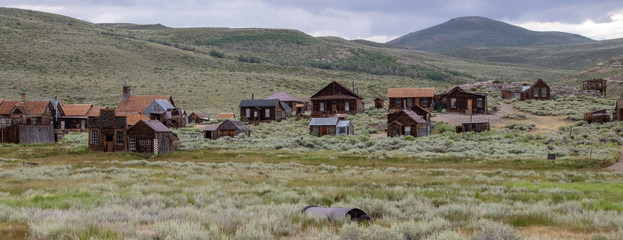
(599, 116)
(407, 123)
(210, 131)
(151, 136)
(379, 103)
(196, 117)
(355, 214)
(231, 128)
(330, 126)
(473, 127)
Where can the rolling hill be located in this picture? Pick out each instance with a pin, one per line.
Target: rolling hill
(480, 32)
(212, 69)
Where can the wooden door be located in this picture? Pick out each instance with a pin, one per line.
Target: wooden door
(469, 104)
(334, 107)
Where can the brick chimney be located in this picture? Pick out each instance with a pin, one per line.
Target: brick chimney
(126, 91)
(23, 97)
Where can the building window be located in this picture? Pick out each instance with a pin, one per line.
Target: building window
(409, 102)
(83, 124)
(322, 107)
(543, 92)
(267, 114)
(316, 130)
(346, 106)
(255, 114)
(132, 142)
(119, 137)
(141, 142)
(63, 124)
(424, 102)
(407, 130)
(398, 102)
(94, 137)
(342, 130)
(480, 102)
(33, 121)
(453, 102)
(147, 141)
(536, 92)
(248, 112)
(332, 130)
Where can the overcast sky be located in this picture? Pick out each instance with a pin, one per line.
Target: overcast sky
(375, 20)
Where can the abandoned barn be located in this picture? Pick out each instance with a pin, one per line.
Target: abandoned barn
(405, 98)
(407, 123)
(262, 110)
(459, 100)
(151, 136)
(330, 126)
(336, 98)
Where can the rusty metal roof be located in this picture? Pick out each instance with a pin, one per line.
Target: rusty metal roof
(323, 121)
(132, 118)
(138, 103)
(410, 92)
(220, 116)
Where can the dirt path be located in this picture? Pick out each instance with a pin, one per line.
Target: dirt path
(542, 123)
(619, 165)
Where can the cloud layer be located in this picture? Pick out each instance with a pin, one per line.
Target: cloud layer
(375, 20)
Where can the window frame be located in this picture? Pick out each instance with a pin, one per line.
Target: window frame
(94, 137)
(132, 142)
(453, 102)
(119, 135)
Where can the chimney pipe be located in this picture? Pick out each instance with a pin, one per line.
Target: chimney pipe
(252, 96)
(23, 96)
(353, 85)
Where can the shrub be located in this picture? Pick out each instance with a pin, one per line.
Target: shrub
(216, 54)
(495, 231)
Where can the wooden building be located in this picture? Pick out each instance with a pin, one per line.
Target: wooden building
(405, 98)
(196, 118)
(132, 118)
(211, 131)
(262, 110)
(232, 128)
(600, 85)
(599, 116)
(138, 103)
(618, 111)
(537, 91)
(336, 98)
(459, 100)
(289, 100)
(28, 112)
(172, 118)
(407, 123)
(331, 126)
(151, 136)
(224, 116)
(379, 103)
(75, 117)
(107, 132)
(27, 134)
(473, 127)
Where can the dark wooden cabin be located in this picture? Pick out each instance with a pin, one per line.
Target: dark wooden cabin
(211, 131)
(262, 110)
(459, 100)
(618, 111)
(405, 98)
(599, 116)
(196, 118)
(289, 100)
(232, 128)
(600, 85)
(107, 132)
(473, 127)
(331, 126)
(336, 98)
(537, 91)
(379, 103)
(151, 136)
(407, 123)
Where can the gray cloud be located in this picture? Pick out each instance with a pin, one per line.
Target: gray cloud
(371, 19)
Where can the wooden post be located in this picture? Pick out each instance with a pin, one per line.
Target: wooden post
(590, 157)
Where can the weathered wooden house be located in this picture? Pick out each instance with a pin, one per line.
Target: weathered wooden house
(473, 127)
(600, 85)
(173, 118)
(599, 116)
(262, 110)
(331, 126)
(459, 100)
(28, 121)
(27, 134)
(196, 118)
(224, 116)
(405, 98)
(75, 117)
(289, 100)
(407, 123)
(618, 111)
(537, 91)
(107, 132)
(379, 103)
(211, 131)
(336, 98)
(232, 128)
(151, 136)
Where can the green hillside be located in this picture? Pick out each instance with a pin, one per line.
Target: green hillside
(480, 32)
(212, 69)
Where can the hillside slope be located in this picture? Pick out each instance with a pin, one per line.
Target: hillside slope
(211, 69)
(480, 32)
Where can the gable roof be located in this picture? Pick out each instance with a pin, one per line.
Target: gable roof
(539, 81)
(133, 118)
(225, 116)
(76, 109)
(411, 114)
(346, 93)
(230, 124)
(459, 89)
(201, 115)
(95, 111)
(6, 106)
(210, 127)
(343, 123)
(138, 103)
(259, 102)
(323, 121)
(32, 107)
(155, 125)
(410, 92)
(284, 97)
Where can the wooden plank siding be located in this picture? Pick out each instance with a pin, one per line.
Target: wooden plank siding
(333, 99)
(401, 124)
(398, 104)
(538, 91)
(460, 101)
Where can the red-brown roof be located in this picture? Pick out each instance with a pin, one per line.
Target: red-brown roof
(6, 106)
(410, 92)
(132, 118)
(201, 115)
(27, 107)
(138, 103)
(220, 116)
(76, 109)
(95, 111)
